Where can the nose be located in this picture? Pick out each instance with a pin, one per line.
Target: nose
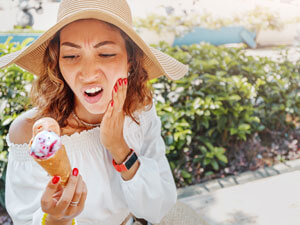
(90, 71)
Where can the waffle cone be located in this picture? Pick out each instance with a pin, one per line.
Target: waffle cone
(57, 165)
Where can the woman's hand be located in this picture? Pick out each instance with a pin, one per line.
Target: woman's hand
(64, 203)
(111, 131)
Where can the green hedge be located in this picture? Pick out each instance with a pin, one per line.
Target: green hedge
(14, 89)
(226, 98)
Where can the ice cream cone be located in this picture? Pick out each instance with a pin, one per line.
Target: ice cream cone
(56, 163)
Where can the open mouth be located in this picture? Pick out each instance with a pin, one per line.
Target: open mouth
(92, 92)
(93, 95)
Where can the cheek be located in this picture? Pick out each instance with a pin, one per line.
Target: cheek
(117, 71)
(112, 81)
(69, 81)
(67, 75)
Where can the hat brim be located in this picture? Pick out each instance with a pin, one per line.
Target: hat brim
(156, 63)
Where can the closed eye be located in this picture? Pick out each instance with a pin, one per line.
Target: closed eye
(107, 55)
(70, 56)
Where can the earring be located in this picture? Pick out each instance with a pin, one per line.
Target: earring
(128, 74)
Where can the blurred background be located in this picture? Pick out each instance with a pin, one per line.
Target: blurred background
(237, 110)
(257, 23)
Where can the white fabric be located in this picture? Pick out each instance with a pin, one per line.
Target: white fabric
(149, 194)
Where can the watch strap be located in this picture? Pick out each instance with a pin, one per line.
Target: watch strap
(127, 164)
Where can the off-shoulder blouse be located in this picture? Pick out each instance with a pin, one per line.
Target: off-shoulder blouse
(149, 194)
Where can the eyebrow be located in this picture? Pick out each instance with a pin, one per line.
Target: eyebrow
(104, 43)
(70, 44)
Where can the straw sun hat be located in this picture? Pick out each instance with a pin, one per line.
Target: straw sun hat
(116, 12)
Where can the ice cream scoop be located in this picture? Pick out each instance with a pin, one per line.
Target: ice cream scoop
(45, 144)
(48, 151)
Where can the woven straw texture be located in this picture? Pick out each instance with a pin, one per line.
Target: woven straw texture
(180, 214)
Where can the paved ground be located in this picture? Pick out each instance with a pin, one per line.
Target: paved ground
(253, 198)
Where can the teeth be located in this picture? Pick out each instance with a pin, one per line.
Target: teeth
(93, 90)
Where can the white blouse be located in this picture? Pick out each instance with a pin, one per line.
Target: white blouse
(149, 194)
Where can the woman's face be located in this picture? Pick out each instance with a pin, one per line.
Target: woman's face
(92, 58)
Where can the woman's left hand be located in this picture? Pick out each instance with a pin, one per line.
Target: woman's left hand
(111, 130)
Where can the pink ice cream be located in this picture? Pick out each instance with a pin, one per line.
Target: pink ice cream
(45, 144)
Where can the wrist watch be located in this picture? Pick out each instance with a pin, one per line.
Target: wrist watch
(128, 162)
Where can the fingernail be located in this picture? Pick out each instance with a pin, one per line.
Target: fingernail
(55, 179)
(116, 88)
(120, 81)
(125, 81)
(75, 172)
(112, 103)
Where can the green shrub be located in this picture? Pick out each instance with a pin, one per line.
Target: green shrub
(14, 89)
(226, 98)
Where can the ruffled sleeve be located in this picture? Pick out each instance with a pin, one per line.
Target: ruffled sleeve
(25, 182)
(151, 193)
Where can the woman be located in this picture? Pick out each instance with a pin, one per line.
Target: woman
(92, 73)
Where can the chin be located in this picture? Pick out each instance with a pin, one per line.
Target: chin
(96, 108)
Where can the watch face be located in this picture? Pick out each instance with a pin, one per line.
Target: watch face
(131, 161)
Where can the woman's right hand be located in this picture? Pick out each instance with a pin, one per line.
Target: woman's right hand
(64, 203)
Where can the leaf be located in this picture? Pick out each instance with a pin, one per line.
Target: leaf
(7, 121)
(222, 158)
(209, 145)
(6, 43)
(185, 174)
(234, 98)
(1, 144)
(203, 149)
(2, 194)
(233, 131)
(209, 173)
(261, 127)
(197, 159)
(169, 140)
(244, 127)
(215, 165)
(26, 42)
(205, 123)
(206, 161)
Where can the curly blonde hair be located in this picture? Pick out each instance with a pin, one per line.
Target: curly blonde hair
(53, 97)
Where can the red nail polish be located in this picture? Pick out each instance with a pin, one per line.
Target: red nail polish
(125, 81)
(120, 81)
(55, 179)
(116, 88)
(75, 172)
(112, 103)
